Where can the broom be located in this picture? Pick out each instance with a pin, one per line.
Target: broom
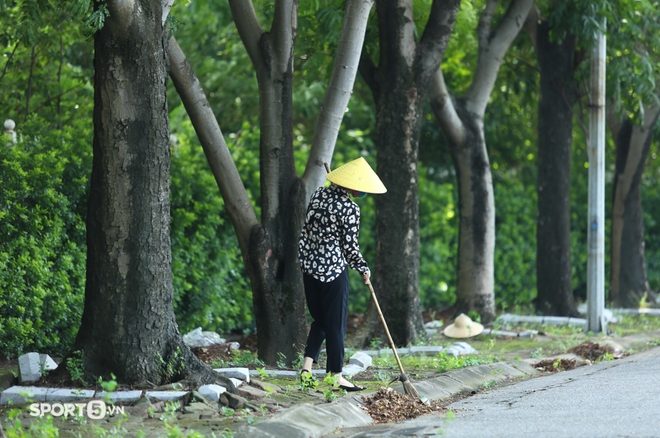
(408, 387)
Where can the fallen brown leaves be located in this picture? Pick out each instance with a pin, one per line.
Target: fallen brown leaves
(593, 351)
(387, 406)
(213, 352)
(552, 365)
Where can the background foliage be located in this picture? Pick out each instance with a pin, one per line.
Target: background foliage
(45, 86)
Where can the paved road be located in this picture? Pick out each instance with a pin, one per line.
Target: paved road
(609, 399)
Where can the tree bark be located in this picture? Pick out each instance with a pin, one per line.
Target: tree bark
(399, 85)
(555, 133)
(128, 326)
(462, 123)
(628, 281)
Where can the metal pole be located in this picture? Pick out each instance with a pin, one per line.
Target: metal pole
(596, 151)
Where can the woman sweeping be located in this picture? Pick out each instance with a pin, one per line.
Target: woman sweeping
(328, 243)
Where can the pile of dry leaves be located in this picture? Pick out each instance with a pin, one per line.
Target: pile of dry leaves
(593, 351)
(552, 365)
(387, 406)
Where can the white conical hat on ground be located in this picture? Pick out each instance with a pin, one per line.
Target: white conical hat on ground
(463, 327)
(357, 175)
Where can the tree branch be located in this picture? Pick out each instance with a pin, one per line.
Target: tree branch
(249, 30)
(284, 30)
(241, 212)
(492, 51)
(444, 109)
(339, 91)
(436, 36)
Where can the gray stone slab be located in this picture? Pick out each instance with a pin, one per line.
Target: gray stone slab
(506, 370)
(469, 377)
(435, 324)
(23, 394)
(435, 389)
(300, 421)
(351, 370)
(524, 367)
(448, 384)
(236, 382)
(373, 353)
(349, 411)
(429, 350)
(166, 395)
(236, 373)
(48, 362)
(120, 396)
(68, 394)
(361, 359)
(29, 370)
(212, 391)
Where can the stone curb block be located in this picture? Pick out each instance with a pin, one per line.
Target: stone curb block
(28, 368)
(166, 396)
(68, 394)
(23, 394)
(236, 373)
(361, 359)
(300, 421)
(212, 391)
(121, 396)
(349, 411)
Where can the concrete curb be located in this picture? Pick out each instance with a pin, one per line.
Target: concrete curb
(310, 421)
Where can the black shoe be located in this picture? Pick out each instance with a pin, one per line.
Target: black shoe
(353, 388)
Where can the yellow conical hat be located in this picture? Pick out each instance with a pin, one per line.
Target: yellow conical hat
(357, 175)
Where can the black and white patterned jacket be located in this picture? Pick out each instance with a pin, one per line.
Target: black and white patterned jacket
(329, 238)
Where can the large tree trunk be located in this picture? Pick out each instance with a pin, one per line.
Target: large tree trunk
(628, 281)
(128, 326)
(462, 123)
(555, 133)
(399, 85)
(476, 206)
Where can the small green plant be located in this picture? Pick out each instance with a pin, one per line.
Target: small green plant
(331, 394)
(169, 412)
(537, 353)
(245, 358)
(227, 412)
(108, 386)
(76, 367)
(488, 384)
(606, 357)
(281, 362)
(263, 374)
(308, 382)
(173, 367)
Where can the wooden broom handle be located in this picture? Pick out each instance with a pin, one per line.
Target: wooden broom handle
(387, 332)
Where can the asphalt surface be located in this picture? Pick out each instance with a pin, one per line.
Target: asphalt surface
(619, 398)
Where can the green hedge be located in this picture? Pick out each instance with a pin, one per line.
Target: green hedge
(42, 238)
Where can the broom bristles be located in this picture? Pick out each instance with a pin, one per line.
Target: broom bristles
(409, 389)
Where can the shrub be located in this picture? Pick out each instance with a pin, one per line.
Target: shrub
(42, 237)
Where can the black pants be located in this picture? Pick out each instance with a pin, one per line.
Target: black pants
(328, 305)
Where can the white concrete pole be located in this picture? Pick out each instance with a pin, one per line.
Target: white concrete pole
(596, 151)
